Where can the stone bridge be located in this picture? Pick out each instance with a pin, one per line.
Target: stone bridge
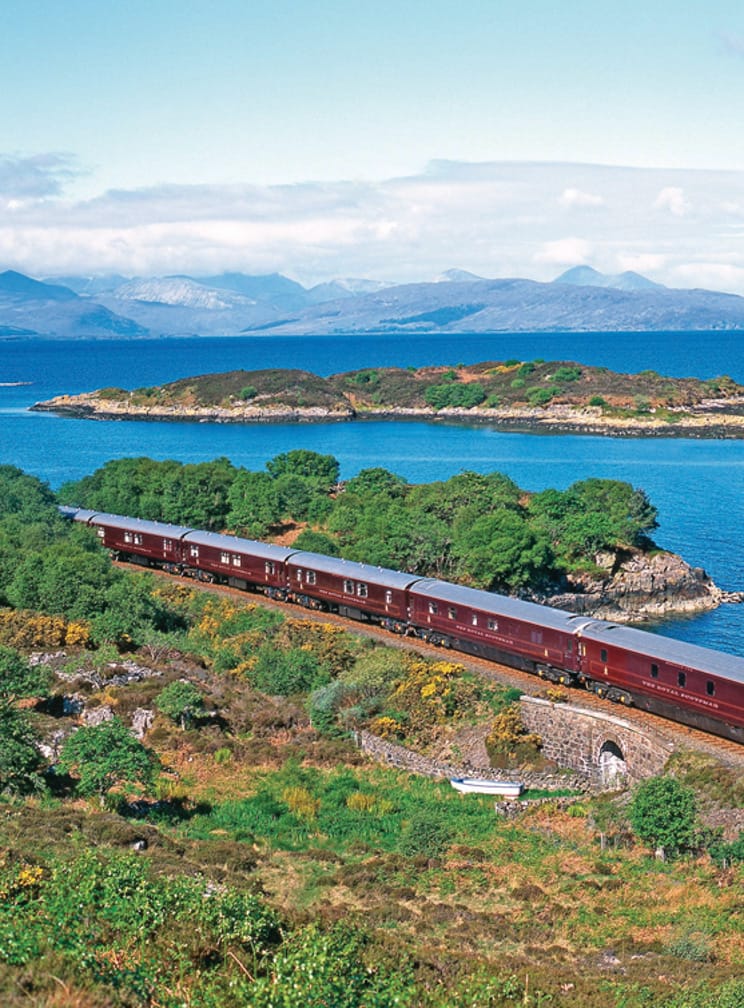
(602, 747)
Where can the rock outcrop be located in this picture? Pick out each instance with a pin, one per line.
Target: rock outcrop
(636, 587)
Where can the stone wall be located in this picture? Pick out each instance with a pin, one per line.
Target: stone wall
(398, 756)
(598, 746)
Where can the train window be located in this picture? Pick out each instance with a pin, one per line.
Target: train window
(100, 533)
(654, 670)
(603, 655)
(710, 688)
(236, 559)
(310, 577)
(569, 646)
(127, 537)
(474, 619)
(388, 597)
(269, 566)
(362, 589)
(167, 545)
(681, 678)
(137, 539)
(194, 552)
(225, 558)
(536, 636)
(349, 587)
(492, 624)
(299, 573)
(452, 613)
(433, 608)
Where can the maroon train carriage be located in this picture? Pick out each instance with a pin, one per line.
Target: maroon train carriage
(242, 563)
(355, 590)
(145, 542)
(503, 629)
(685, 682)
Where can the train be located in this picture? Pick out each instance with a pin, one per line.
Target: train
(684, 682)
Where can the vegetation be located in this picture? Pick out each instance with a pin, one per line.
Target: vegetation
(481, 530)
(252, 856)
(510, 384)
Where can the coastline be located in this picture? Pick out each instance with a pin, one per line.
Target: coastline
(707, 420)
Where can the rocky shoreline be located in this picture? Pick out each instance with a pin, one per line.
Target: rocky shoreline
(709, 419)
(638, 587)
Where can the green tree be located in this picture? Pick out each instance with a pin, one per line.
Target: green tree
(20, 759)
(19, 679)
(663, 813)
(106, 755)
(302, 462)
(501, 551)
(181, 701)
(254, 504)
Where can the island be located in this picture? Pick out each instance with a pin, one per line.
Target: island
(542, 396)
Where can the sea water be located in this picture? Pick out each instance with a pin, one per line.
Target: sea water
(696, 484)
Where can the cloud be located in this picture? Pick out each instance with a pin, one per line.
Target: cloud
(565, 252)
(495, 219)
(576, 198)
(38, 177)
(672, 198)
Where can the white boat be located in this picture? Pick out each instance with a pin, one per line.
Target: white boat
(474, 785)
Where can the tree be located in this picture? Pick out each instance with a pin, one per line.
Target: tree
(180, 701)
(663, 813)
(310, 464)
(20, 760)
(103, 756)
(18, 679)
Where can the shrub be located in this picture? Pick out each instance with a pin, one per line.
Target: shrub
(663, 813)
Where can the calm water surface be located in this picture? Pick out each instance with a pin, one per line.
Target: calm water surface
(697, 485)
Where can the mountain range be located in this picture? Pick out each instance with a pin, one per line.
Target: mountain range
(581, 299)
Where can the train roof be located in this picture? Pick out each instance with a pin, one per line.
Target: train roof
(75, 513)
(499, 605)
(352, 569)
(690, 656)
(137, 525)
(252, 547)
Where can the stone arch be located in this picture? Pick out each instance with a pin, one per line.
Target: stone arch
(613, 768)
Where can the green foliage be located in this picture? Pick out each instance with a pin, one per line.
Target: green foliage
(181, 701)
(597, 400)
(663, 814)
(248, 392)
(20, 760)
(283, 673)
(426, 833)
(305, 463)
(19, 679)
(103, 756)
(449, 394)
(567, 373)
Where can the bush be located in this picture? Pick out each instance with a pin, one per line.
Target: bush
(663, 813)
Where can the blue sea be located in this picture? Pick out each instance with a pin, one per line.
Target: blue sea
(696, 484)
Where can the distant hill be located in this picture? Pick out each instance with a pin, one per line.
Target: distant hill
(20, 287)
(585, 276)
(580, 300)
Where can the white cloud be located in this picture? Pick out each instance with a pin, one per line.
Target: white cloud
(672, 198)
(565, 252)
(711, 275)
(494, 219)
(577, 198)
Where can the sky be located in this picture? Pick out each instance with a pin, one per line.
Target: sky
(392, 140)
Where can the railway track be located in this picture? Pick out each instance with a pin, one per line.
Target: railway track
(728, 752)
